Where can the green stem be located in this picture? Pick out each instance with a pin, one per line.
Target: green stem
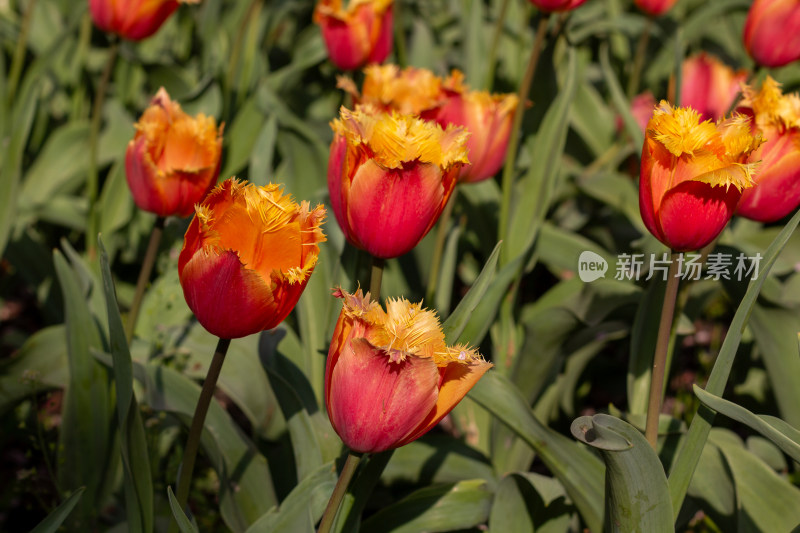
(339, 491)
(375, 278)
(144, 276)
(19, 52)
(498, 31)
(399, 37)
(638, 60)
(198, 420)
(441, 232)
(513, 142)
(94, 134)
(660, 358)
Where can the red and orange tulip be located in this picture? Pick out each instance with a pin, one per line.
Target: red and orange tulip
(410, 91)
(390, 377)
(247, 256)
(390, 176)
(655, 7)
(777, 117)
(133, 19)
(772, 32)
(692, 175)
(710, 86)
(360, 34)
(173, 160)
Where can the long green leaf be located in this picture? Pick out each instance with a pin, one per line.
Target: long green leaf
(686, 461)
(637, 494)
(618, 97)
(135, 457)
(183, 521)
(579, 471)
(57, 517)
(84, 442)
(740, 414)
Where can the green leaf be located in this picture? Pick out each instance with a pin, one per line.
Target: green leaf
(536, 188)
(457, 322)
(576, 468)
(443, 508)
(686, 462)
(263, 154)
(84, 440)
(740, 414)
(135, 456)
(245, 490)
(303, 507)
(184, 524)
(57, 517)
(528, 502)
(637, 494)
(618, 97)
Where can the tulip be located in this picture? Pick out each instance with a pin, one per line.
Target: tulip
(247, 256)
(410, 91)
(692, 175)
(655, 8)
(358, 35)
(642, 107)
(390, 176)
(709, 86)
(557, 5)
(777, 117)
(487, 117)
(133, 19)
(772, 32)
(173, 160)
(390, 377)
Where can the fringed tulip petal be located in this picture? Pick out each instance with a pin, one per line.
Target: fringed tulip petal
(389, 376)
(173, 160)
(692, 175)
(247, 256)
(379, 401)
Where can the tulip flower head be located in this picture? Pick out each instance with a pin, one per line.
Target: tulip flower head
(777, 117)
(410, 91)
(390, 377)
(247, 256)
(655, 8)
(133, 19)
(173, 160)
(390, 176)
(357, 35)
(549, 6)
(772, 32)
(692, 175)
(709, 86)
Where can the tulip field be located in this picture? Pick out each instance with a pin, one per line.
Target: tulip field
(372, 266)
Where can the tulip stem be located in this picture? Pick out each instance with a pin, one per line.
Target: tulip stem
(94, 134)
(375, 278)
(660, 357)
(19, 53)
(196, 429)
(144, 276)
(339, 491)
(513, 141)
(638, 59)
(441, 231)
(498, 31)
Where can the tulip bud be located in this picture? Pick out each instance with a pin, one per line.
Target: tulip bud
(772, 32)
(655, 8)
(390, 377)
(390, 176)
(247, 256)
(358, 35)
(557, 5)
(173, 160)
(777, 117)
(709, 86)
(692, 175)
(133, 19)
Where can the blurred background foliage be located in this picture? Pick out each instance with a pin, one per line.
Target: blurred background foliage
(562, 348)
